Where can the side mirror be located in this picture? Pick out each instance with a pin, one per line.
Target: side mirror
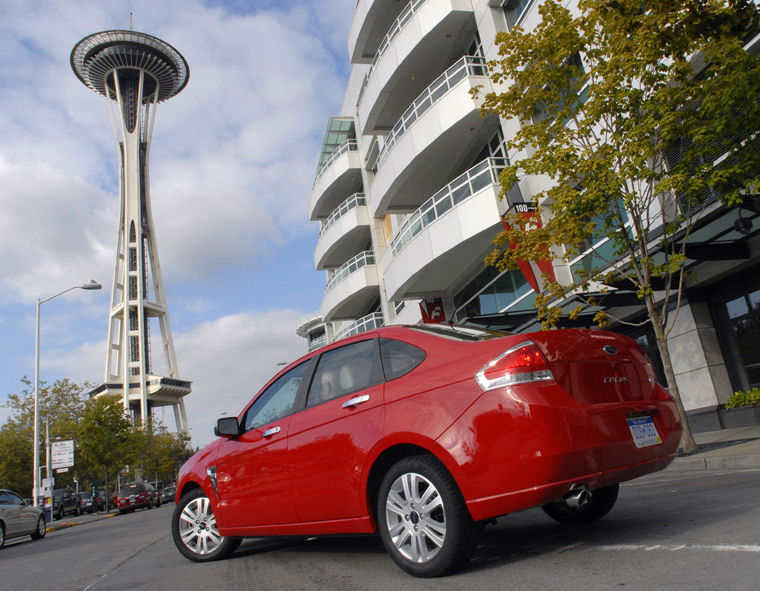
(227, 427)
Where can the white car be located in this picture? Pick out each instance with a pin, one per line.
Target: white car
(19, 519)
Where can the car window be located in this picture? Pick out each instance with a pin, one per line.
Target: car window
(399, 358)
(14, 499)
(4, 499)
(278, 400)
(344, 370)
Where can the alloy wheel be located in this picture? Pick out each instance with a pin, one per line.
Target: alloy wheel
(197, 527)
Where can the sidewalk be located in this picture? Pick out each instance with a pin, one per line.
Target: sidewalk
(729, 449)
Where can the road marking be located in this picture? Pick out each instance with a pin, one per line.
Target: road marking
(746, 548)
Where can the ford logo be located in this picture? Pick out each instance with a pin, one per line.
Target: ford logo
(610, 350)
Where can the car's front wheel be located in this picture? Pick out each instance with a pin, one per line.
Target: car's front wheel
(40, 530)
(595, 505)
(194, 529)
(422, 517)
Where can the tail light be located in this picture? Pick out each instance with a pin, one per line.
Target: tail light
(522, 363)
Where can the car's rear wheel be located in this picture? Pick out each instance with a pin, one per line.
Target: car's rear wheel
(194, 529)
(40, 530)
(595, 506)
(423, 520)
(2, 535)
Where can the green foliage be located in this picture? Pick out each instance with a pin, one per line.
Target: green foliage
(105, 439)
(663, 89)
(740, 398)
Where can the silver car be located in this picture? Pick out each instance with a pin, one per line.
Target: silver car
(19, 519)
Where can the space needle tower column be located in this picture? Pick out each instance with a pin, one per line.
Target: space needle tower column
(135, 72)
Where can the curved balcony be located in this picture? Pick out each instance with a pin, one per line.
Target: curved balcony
(444, 120)
(368, 322)
(371, 22)
(352, 289)
(345, 232)
(452, 230)
(426, 37)
(308, 323)
(336, 178)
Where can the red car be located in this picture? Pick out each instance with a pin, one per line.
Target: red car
(136, 496)
(422, 433)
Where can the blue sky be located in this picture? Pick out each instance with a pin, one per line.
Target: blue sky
(232, 163)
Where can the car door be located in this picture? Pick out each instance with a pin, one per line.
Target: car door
(252, 469)
(330, 439)
(11, 511)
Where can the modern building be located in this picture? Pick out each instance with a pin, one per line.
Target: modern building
(407, 198)
(135, 72)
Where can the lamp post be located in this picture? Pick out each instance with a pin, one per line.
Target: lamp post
(36, 483)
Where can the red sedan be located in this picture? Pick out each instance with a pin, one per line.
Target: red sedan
(422, 433)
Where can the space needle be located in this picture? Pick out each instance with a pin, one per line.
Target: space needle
(135, 72)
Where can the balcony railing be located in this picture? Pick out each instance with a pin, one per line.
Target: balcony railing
(368, 322)
(469, 65)
(320, 341)
(362, 259)
(394, 30)
(355, 200)
(469, 183)
(349, 144)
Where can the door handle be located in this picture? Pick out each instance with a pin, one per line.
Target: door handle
(270, 432)
(356, 401)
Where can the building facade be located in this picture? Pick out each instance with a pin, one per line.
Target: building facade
(407, 198)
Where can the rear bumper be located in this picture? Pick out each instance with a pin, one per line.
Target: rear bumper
(514, 449)
(487, 507)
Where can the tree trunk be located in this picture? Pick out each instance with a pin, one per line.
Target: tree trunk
(688, 445)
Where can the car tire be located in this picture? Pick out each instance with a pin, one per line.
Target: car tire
(422, 518)
(41, 529)
(194, 529)
(60, 513)
(597, 506)
(2, 535)
(149, 506)
(77, 511)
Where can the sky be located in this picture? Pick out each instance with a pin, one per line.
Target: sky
(232, 163)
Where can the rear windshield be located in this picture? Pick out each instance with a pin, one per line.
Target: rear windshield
(459, 333)
(130, 490)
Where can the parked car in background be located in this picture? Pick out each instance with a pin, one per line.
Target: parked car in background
(167, 495)
(137, 496)
(19, 519)
(425, 433)
(86, 504)
(65, 502)
(100, 501)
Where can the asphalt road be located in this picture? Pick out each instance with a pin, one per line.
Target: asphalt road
(690, 531)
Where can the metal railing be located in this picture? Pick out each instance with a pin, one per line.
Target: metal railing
(352, 265)
(355, 200)
(395, 29)
(365, 323)
(466, 185)
(320, 341)
(349, 144)
(468, 65)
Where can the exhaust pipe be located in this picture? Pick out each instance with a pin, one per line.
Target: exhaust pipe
(577, 497)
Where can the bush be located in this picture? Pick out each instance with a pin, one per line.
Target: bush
(739, 399)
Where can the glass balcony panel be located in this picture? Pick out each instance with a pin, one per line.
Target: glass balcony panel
(461, 193)
(443, 206)
(480, 181)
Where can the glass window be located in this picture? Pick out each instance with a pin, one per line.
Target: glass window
(4, 500)
(278, 400)
(399, 358)
(343, 371)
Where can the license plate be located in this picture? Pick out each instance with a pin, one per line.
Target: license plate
(644, 431)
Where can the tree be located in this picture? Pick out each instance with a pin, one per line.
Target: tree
(161, 453)
(107, 440)
(60, 404)
(638, 114)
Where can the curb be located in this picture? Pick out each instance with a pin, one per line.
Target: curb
(695, 464)
(67, 524)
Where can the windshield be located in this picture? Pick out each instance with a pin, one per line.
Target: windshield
(129, 490)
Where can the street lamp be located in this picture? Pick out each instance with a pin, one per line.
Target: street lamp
(36, 482)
